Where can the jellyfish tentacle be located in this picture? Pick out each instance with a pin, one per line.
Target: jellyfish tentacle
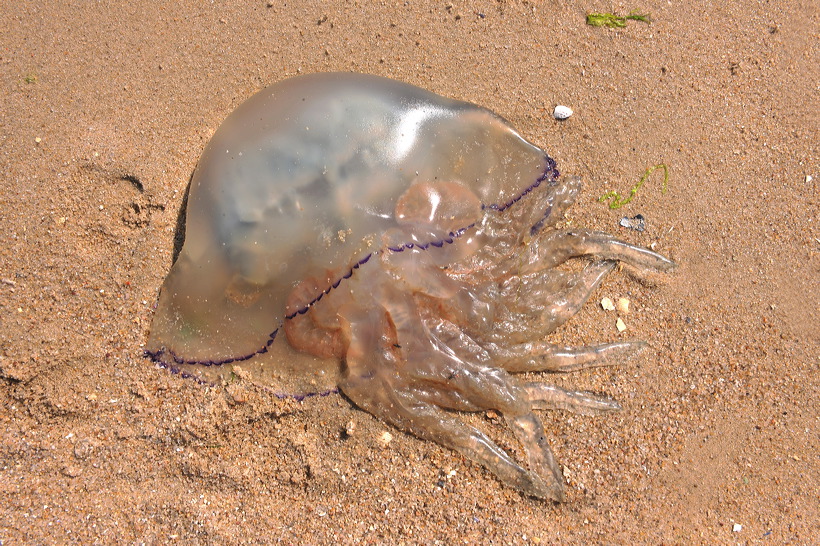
(550, 397)
(530, 433)
(575, 294)
(474, 386)
(559, 246)
(433, 393)
(545, 209)
(561, 199)
(540, 356)
(485, 387)
(417, 272)
(371, 382)
(407, 412)
(539, 314)
(491, 388)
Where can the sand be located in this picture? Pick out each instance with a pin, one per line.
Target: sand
(105, 110)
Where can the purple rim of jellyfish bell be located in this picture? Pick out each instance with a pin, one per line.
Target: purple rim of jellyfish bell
(550, 174)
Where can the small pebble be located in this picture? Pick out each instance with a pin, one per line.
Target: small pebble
(562, 112)
(809, 178)
(385, 439)
(619, 324)
(736, 528)
(623, 306)
(71, 471)
(607, 304)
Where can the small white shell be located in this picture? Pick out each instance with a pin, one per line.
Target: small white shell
(562, 112)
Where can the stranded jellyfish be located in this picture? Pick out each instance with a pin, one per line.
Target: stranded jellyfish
(354, 232)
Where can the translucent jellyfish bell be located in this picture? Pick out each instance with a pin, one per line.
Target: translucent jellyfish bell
(302, 181)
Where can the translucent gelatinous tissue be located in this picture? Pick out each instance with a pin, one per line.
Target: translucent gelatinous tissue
(354, 231)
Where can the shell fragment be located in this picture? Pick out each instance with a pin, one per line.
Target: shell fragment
(562, 112)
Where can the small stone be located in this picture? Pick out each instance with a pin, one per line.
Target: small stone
(385, 439)
(607, 304)
(350, 428)
(619, 324)
(238, 394)
(809, 178)
(83, 450)
(623, 306)
(71, 471)
(736, 528)
(562, 112)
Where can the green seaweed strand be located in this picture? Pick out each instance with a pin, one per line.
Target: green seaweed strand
(635, 16)
(610, 20)
(618, 200)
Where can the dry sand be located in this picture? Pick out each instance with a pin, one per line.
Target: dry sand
(105, 109)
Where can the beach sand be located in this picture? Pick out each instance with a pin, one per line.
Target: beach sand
(106, 108)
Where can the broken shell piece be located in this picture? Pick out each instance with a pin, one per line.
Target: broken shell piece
(562, 112)
(607, 304)
(637, 222)
(619, 324)
(623, 305)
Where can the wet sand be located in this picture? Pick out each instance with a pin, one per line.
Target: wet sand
(105, 111)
